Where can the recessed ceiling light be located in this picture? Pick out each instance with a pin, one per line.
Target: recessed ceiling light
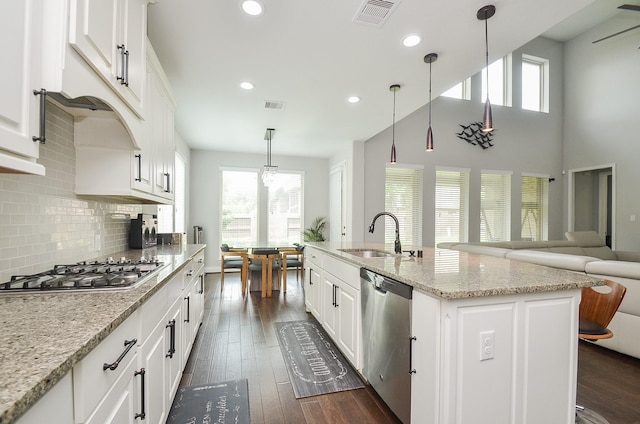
(252, 7)
(247, 85)
(353, 99)
(411, 40)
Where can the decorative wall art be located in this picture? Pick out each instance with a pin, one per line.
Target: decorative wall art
(473, 134)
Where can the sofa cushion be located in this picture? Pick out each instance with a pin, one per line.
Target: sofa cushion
(615, 269)
(521, 244)
(568, 250)
(585, 238)
(627, 256)
(499, 252)
(601, 252)
(555, 260)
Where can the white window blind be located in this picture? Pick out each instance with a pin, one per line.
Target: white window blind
(179, 195)
(403, 198)
(452, 197)
(535, 208)
(239, 207)
(495, 206)
(285, 208)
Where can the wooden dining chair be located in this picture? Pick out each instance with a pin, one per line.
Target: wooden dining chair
(292, 258)
(234, 259)
(597, 309)
(267, 261)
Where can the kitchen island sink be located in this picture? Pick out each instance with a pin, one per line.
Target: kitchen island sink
(367, 253)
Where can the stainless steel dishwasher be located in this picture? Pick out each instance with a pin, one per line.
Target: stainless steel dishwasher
(386, 340)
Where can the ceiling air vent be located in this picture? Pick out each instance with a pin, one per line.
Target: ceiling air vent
(270, 104)
(375, 12)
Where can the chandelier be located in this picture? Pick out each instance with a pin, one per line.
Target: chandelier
(269, 171)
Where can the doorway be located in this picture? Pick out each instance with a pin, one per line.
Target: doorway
(592, 201)
(337, 204)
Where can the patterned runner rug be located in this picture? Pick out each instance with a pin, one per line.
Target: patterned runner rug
(314, 364)
(224, 403)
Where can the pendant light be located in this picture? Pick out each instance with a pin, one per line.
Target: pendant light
(484, 13)
(430, 58)
(269, 171)
(394, 88)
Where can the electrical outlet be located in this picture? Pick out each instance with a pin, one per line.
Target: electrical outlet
(487, 345)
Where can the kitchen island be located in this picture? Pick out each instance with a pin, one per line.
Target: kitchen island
(44, 335)
(495, 339)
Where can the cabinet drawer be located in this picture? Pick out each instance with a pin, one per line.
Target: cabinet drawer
(152, 312)
(348, 273)
(90, 380)
(313, 256)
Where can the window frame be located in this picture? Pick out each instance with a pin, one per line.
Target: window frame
(543, 65)
(505, 227)
(507, 82)
(463, 210)
(415, 227)
(543, 227)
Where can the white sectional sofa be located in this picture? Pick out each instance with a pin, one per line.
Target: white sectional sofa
(583, 251)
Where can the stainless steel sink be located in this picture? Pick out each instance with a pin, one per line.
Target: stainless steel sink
(367, 253)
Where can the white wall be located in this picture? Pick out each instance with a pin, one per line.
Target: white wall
(602, 106)
(524, 142)
(205, 191)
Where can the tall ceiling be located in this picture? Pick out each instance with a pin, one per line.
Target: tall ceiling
(312, 56)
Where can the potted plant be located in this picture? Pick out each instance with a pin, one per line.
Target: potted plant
(315, 232)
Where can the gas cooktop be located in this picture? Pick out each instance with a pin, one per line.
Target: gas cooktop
(108, 274)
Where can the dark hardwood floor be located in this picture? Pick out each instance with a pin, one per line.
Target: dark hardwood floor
(237, 340)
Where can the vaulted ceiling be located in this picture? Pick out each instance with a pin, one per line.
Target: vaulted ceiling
(310, 57)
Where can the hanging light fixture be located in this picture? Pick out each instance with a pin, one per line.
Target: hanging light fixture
(269, 171)
(484, 13)
(394, 88)
(430, 58)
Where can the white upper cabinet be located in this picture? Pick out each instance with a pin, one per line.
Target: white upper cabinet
(111, 37)
(20, 42)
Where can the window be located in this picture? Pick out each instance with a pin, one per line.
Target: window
(403, 198)
(285, 208)
(535, 83)
(452, 196)
(495, 206)
(535, 208)
(239, 207)
(499, 82)
(462, 90)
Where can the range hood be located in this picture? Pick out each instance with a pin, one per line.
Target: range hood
(83, 102)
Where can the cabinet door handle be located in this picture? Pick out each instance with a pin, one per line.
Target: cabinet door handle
(335, 295)
(168, 181)
(172, 338)
(190, 273)
(122, 64)
(142, 414)
(128, 344)
(139, 157)
(310, 275)
(43, 115)
(125, 79)
(201, 284)
(188, 308)
(411, 340)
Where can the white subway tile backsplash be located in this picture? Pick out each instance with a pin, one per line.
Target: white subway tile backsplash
(43, 223)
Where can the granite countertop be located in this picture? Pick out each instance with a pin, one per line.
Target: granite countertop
(451, 274)
(43, 335)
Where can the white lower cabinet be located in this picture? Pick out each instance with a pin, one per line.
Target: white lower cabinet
(313, 282)
(59, 399)
(336, 298)
(133, 374)
(495, 359)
